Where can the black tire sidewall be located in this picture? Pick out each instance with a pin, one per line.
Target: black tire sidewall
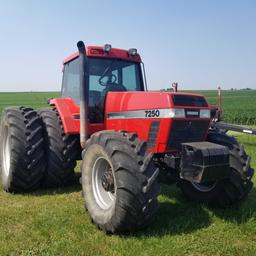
(60, 149)
(99, 215)
(135, 180)
(27, 163)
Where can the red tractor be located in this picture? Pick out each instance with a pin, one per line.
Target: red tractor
(128, 136)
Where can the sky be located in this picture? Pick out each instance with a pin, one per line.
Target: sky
(200, 44)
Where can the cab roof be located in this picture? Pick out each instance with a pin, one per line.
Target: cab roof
(98, 52)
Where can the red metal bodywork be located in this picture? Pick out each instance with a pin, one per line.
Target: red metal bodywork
(98, 52)
(116, 102)
(126, 101)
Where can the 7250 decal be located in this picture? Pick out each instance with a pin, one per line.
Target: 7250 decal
(152, 113)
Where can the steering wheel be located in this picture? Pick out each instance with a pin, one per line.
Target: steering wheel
(110, 79)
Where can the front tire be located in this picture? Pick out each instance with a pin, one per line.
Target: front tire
(119, 181)
(21, 150)
(228, 191)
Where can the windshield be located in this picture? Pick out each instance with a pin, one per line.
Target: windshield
(114, 75)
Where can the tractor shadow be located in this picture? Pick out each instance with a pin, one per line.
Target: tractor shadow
(75, 186)
(241, 212)
(177, 215)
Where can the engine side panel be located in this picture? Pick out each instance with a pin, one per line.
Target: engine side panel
(146, 113)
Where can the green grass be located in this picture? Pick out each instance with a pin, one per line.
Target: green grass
(54, 222)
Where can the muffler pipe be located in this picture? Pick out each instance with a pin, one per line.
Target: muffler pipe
(83, 94)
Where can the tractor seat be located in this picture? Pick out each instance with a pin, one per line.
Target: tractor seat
(114, 87)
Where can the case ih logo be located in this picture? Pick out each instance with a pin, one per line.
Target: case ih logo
(192, 113)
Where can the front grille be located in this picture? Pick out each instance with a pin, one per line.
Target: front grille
(186, 131)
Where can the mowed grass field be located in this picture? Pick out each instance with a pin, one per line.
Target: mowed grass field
(54, 222)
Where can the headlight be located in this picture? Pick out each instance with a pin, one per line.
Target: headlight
(205, 113)
(177, 113)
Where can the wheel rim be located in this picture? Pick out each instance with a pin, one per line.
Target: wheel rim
(6, 153)
(103, 183)
(204, 187)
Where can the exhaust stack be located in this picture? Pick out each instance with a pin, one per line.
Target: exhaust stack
(83, 98)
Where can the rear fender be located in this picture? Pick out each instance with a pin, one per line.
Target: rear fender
(69, 114)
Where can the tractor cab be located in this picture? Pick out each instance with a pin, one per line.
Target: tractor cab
(106, 70)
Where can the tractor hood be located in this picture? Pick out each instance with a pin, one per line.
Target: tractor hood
(158, 101)
(165, 120)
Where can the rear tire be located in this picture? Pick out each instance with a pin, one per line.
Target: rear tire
(21, 150)
(228, 191)
(119, 181)
(62, 151)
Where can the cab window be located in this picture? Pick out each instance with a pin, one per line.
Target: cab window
(70, 82)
